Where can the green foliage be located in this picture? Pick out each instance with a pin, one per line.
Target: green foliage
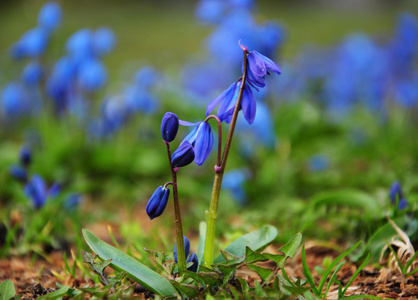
(7, 290)
(133, 268)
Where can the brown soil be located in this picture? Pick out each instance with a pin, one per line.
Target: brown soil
(34, 278)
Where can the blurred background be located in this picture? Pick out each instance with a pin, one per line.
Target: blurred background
(84, 85)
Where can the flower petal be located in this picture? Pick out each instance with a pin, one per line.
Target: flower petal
(248, 105)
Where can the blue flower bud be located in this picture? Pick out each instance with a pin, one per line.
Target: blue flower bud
(36, 191)
(193, 258)
(184, 155)
(103, 41)
(158, 202)
(169, 126)
(396, 194)
(18, 173)
(186, 248)
(25, 156)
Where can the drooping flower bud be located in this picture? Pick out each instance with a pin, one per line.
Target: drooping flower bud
(186, 248)
(18, 173)
(157, 202)
(169, 126)
(184, 155)
(193, 258)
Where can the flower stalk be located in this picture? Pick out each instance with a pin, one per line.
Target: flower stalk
(219, 172)
(181, 256)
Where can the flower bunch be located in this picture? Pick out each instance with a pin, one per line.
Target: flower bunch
(197, 145)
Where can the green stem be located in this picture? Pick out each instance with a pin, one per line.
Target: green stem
(219, 172)
(181, 256)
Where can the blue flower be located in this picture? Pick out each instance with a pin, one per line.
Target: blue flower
(318, 162)
(227, 101)
(18, 173)
(72, 201)
(37, 191)
(192, 258)
(169, 126)
(14, 100)
(258, 67)
(79, 44)
(158, 202)
(50, 16)
(396, 195)
(103, 41)
(210, 11)
(201, 138)
(92, 75)
(32, 44)
(32, 74)
(234, 182)
(183, 155)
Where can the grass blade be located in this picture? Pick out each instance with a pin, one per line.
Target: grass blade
(355, 275)
(308, 274)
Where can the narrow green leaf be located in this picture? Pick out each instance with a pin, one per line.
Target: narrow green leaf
(256, 240)
(133, 268)
(291, 247)
(187, 291)
(308, 274)
(7, 290)
(410, 261)
(350, 198)
(55, 295)
(333, 264)
(332, 278)
(201, 246)
(355, 275)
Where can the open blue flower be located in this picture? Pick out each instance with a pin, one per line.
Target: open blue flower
(201, 138)
(227, 101)
(158, 202)
(258, 67)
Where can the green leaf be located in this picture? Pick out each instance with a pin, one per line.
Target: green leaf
(264, 273)
(196, 277)
(55, 295)
(201, 246)
(256, 240)
(253, 257)
(133, 268)
(7, 290)
(355, 275)
(187, 291)
(308, 274)
(350, 198)
(289, 250)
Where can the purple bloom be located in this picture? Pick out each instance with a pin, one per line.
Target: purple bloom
(183, 155)
(157, 202)
(258, 67)
(186, 248)
(169, 126)
(36, 190)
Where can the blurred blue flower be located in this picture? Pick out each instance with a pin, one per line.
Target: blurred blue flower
(138, 99)
(36, 191)
(319, 162)
(183, 155)
(103, 41)
(32, 73)
(246, 4)
(50, 16)
(32, 44)
(396, 195)
(234, 181)
(18, 173)
(406, 92)
(14, 100)
(25, 156)
(146, 77)
(72, 201)
(201, 138)
(79, 44)
(157, 202)
(169, 126)
(210, 11)
(92, 75)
